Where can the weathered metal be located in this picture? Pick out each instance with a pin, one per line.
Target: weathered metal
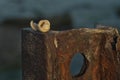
(47, 56)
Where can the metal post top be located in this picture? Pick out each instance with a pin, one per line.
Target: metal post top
(88, 30)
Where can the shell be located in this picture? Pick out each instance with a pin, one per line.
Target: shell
(33, 25)
(44, 25)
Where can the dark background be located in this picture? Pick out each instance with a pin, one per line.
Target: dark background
(63, 14)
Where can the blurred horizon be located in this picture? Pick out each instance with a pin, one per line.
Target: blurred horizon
(82, 12)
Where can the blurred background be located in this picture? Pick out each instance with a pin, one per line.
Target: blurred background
(63, 14)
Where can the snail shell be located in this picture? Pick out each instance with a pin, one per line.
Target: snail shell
(33, 25)
(44, 26)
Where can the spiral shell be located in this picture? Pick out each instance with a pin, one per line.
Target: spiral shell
(42, 26)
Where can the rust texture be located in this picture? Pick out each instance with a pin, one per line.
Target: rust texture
(47, 56)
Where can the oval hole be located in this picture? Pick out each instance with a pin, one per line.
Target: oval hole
(77, 64)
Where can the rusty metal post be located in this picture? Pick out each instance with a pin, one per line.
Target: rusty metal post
(48, 56)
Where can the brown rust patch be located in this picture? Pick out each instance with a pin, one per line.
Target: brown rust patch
(51, 58)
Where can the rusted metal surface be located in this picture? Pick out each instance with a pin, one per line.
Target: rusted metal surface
(47, 56)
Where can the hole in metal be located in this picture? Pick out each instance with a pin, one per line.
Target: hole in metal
(77, 65)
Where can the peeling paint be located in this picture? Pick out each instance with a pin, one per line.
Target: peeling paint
(88, 55)
(55, 42)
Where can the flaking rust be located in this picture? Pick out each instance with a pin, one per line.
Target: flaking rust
(51, 55)
(55, 42)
